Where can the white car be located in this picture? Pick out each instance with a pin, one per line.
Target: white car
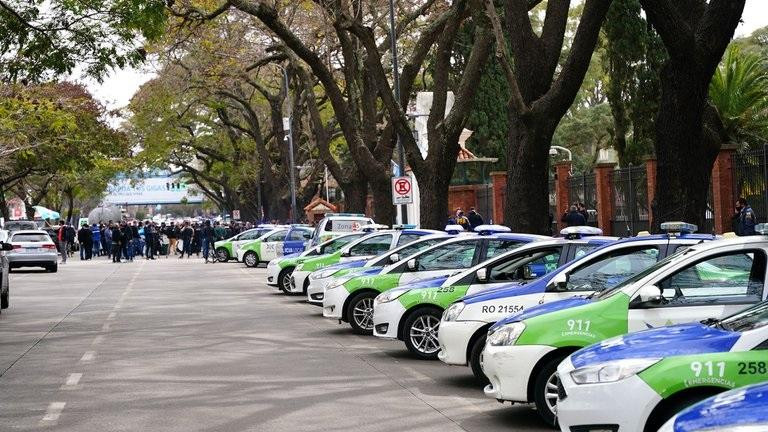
(276, 243)
(33, 249)
(335, 224)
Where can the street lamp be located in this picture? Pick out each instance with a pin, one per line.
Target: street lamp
(396, 79)
(553, 151)
(287, 127)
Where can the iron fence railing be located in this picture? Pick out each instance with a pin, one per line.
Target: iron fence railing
(750, 177)
(630, 201)
(583, 188)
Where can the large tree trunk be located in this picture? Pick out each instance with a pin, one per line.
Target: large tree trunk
(681, 194)
(384, 211)
(355, 195)
(527, 175)
(433, 190)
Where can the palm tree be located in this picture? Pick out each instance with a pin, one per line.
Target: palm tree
(739, 92)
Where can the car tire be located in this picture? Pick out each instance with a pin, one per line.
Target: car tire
(283, 278)
(474, 360)
(52, 268)
(360, 313)
(250, 259)
(4, 300)
(222, 254)
(544, 395)
(420, 333)
(660, 416)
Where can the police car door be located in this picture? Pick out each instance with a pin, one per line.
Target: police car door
(272, 245)
(520, 268)
(296, 240)
(719, 284)
(369, 247)
(243, 238)
(443, 260)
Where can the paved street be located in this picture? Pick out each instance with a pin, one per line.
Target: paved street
(174, 345)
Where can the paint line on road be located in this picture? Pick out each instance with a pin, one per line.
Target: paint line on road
(111, 316)
(53, 412)
(105, 327)
(72, 381)
(99, 339)
(88, 356)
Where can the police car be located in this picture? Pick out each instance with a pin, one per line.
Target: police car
(406, 313)
(741, 410)
(336, 224)
(711, 279)
(464, 326)
(362, 249)
(351, 297)
(638, 381)
(320, 279)
(227, 249)
(279, 269)
(273, 244)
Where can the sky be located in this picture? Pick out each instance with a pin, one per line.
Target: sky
(116, 90)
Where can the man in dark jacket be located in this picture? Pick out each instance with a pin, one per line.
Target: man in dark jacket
(187, 234)
(149, 241)
(126, 241)
(475, 220)
(573, 217)
(85, 237)
(117, 242)
(207, 235)
(744, 219)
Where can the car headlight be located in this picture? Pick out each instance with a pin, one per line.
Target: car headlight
(322, 274)
(611, 371)
(505, 335)
(272, 263)
(393, 294)
(339, 282)
(453, 311)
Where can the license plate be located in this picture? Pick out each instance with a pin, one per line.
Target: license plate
(31, 250)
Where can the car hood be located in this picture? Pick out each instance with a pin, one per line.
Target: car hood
(683, 339)
(543, 309)
(744, 406)
(509, 290)
(347, 265)
(432, 282)
(293, 255)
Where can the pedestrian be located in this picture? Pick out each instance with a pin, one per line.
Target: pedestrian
(96, 239)
(744, 218)
(149, 240)
(475, 220)
(63, 236)
(207, 234)
(196, 243)
(583, 210)
(173, 237)
(573, 217)
(117, 241)
(106, 240)
(187, 234)
(85, 238)
(219, 231)
(136, 240)
(462, 220)
(126, 241)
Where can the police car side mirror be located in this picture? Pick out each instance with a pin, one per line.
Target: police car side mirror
(346, 254)
(482, 274)
(7, 247)
(649, 295)
(558, 283)
(394, 258)
(412, 264)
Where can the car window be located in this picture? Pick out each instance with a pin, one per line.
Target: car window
(453, 256)
(277, 237)
(372, 246)
(525, 267)
(30, 238)
(407, 238)
(611, 269)
(498, 247)
(736, 276)
(413, 248)
(583, 249)
(338, 243)
(253, 235)
(297, 235)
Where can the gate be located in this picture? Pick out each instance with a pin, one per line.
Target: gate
(750, 176)
(583, 188)
(630, 201)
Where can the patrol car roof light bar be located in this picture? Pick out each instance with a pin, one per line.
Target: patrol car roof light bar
(454, 229)
(762, 228)
(491, 229)
(679, 227)
(345, 214)
(373, 227)
(577, 232)
(404, 226)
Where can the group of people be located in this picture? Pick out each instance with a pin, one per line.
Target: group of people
(576, 215)
(468, 221)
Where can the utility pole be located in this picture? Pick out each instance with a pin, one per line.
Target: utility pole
(396, 78)
(287, 127)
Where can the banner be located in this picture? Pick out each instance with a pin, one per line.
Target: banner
(151, 191)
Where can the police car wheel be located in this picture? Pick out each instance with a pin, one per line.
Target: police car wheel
(284, 280)
(360, 313)
(222, 255)
(251, 259)
(420, 333)
(661, 414)
(545, 390)
(474, 360)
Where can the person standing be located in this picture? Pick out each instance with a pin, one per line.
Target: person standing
(207, 234)
(64, 241)
(187, 234)
(96, 239)
(106, 240)
(126, 241)
(117, 242)
(574, 217)
(744, 218)
(149, 240)
(85, 237)
(462, 220)
(475, 220)
(196, 244)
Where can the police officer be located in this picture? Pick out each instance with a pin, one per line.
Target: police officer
(744, 219)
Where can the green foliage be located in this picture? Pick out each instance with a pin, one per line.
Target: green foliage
(756, 43)
(739, 92)
(40, 40)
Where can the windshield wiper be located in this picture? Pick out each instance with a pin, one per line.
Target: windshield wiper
(713, 322)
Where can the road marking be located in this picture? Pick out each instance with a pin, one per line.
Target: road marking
(105, 327)
(99, 339)
(53, 412)
(111, 316)
(88, 356)
(72, 380)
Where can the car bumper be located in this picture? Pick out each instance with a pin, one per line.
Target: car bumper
(36, 259)
(509, 368)
(316, 290)
(386, 318)
(454, 339)
(297, 280)
(273, 271)
(240, 254)
(622, 405)
(333, 302)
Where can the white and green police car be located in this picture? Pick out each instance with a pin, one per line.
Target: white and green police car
(464, 326)
(227, 249)
(320, 279)
(711, 279)
(276, 243)
(406, 312)
(351, 297)
(361, 249)
(638, 381)
(336, 224)
(279, 269)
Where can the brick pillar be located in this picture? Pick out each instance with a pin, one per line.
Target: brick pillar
(650, 179)
(604, 192)
(499, 181)
(722, 189)
(562, 193)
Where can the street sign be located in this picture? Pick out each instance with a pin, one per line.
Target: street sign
(402, 190)
(236, 214)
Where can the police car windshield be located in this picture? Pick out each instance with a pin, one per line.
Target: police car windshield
(750, 319)
(661, 264)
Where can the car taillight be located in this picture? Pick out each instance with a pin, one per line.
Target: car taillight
(49, 246)
(17, 246)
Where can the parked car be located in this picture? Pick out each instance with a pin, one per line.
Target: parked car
(32, 248)
(4, 269)
(18, 225)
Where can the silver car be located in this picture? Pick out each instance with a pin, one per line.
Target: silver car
(33, 248)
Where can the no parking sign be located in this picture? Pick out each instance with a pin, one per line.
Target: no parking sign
(402, 190)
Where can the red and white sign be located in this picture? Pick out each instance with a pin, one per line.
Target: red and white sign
(236, 214)
(402, 190)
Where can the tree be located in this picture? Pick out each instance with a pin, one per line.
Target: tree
(541, 92)
(40, 40)
(688, 131)
(739, 93)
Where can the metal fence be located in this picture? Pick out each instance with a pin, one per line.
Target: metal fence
(750, 178)
(630, 201)
(583, 188)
